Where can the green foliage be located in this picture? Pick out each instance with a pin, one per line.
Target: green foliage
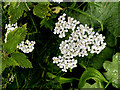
(16, 59)
(61, 80)
(14, 38)
(80, 17)
(42, 10)
(97, 60)
(9, 62)
(16, 10)
(108, 14)
(48, 23)
(110, 39)
(57, 9)
(41, 19)
(112, 70)
(91, 73)
(22, 60)
(97, 84)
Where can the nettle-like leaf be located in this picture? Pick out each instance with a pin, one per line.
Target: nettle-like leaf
(16, 59)
(91, 73)
(22, 60)
(108, 14)
(112, 69)
(14, 38)
(42, 9)
(61, 80)
(8, 62)
(16, 10)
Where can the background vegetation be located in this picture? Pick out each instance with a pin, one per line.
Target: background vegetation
(36, 22)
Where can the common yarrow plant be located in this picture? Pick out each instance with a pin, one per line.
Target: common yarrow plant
(81, 41)
(79, 50)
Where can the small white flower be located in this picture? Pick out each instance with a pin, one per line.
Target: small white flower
(11, 79)
(27, 46)
(59, 1)
(9, 28)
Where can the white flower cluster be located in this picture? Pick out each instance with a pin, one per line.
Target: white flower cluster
(65, 62)
(81, 41)
(9, 28)
(62, 26)
(11, 79)
(58, 1)
(26, 46)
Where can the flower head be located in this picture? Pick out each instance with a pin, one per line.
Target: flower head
(27, 46)
(9, 28)
(81, 41)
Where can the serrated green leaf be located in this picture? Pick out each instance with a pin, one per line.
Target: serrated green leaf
(112, 69)
(61, 80)
(14, 38)
(90, 73)
(22, 60)
(14, 4)
(9, 62)
(41, 10)
(16, 10)
(56, 9)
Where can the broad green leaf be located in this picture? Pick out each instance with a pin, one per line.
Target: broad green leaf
(91, 73)
(16, 10)
(112, 69)
(41, 10)
(97, 84)
(108, 14)
(80, 17)
(14, 38)
(56, 9)
(22, 60)
(8, 62)
(97, 60)
(110, 39)
(61, 80)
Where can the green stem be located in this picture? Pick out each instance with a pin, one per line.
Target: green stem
(82, 65)
(58, 72)
(89, 16)
(16, 80)
(32, 33)
(33, 22)
(81, 5)
(108, 83)
(5, 85)
(44, 48)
